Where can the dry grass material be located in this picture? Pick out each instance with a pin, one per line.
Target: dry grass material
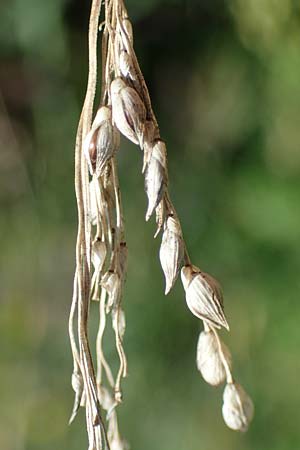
(101, 250)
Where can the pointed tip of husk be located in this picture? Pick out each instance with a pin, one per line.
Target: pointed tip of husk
(156, 233)
(225, 325)
(222, 322)
(73, 415)
(219, 323)
(149, 213)
(167, 290)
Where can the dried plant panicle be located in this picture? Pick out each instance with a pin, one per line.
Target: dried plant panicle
(101, 249)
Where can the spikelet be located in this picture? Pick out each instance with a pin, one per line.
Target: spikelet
(112, 284)
(171, 251)
(203, 296)
(98, 254)
(209, 361)
(77, 385)
(105, 398)
(156, 176)
(126, 28)
(107, 143)
(150, 136)
(128, 110)
(238, 409)
(126, 66)
(101, 142)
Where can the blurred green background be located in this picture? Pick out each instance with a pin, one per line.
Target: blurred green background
(224, 79)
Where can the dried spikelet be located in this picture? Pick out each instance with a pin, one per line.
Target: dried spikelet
(101, 142)
(209, 361)
(90, 150)
(151, 134)
(171, 251)
(98, 254)
(108, 139)
(112, 284)
(126, 27)
(126, 65)
(77, 385)
(156, 176)
(106, 399)
(128, 110)
(203, 296)
(238, 409)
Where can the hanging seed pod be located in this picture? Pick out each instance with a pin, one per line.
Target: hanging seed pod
(238, 409)
(105, 398)
(124, 29)
(101, 142)
(171, 251)
(128, 110)
(127, 26)
(112, 284)
(203, 296)
(89, 143)
(77, 385)
(209, 361)
(98, 254)
(126, 66)
(108, 141)
(156, 176)
(151, 134)
(90, 150)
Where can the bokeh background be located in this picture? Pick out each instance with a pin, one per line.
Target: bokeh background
(224, 80)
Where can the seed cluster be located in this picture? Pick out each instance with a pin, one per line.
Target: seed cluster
(101, 251)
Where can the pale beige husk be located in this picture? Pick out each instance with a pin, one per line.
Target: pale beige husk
(209, 361)
(238, 409)
(129, 113)
(202, 298)
(171, 251)
(156, 176)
